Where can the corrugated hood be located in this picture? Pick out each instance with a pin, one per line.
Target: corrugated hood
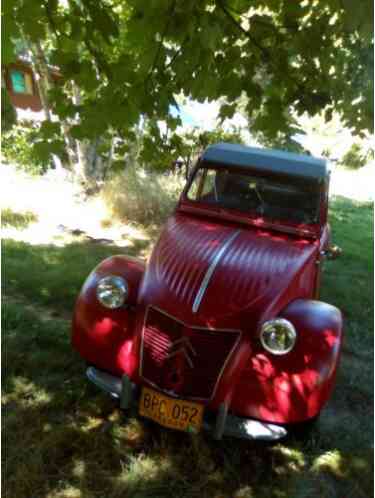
(211, 274)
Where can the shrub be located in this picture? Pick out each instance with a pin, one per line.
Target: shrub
(11, 218)
(18, 148)
(141, 196)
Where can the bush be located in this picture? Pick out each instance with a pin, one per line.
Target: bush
(11, 218)
(18, 148)
(141, 196)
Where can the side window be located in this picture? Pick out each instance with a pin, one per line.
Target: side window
(203, 187)
(195, 186)
(209, 186)
(21, 82)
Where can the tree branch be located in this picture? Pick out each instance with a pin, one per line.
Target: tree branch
(262, 49)
(266, 24)
(178, 52)
(52, 23)
(167, 24)
(255, 42)
(101, 63)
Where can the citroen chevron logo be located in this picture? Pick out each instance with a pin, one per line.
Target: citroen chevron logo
(182, 346)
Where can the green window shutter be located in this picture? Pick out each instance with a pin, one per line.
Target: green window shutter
(18, 81)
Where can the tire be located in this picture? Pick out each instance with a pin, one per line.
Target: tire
(303, 430)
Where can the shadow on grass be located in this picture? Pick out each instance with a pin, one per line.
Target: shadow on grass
(53, 275)
(65, 439)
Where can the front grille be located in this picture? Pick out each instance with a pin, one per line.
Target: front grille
(184, 360)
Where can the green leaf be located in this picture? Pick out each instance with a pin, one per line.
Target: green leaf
(49, 129)
(77, 132)
(9, 33)
(227, 111)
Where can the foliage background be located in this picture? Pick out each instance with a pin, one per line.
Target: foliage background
(126, 64)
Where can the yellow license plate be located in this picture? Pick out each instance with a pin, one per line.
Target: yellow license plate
(169, 412)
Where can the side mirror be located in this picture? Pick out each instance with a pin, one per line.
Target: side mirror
(333, 252)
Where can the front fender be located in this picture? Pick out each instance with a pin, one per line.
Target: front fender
(102, 336)
(294, 387)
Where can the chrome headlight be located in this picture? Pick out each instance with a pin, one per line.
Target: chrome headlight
(112, 291)
(278, 336)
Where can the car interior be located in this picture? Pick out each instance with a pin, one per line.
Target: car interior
(273, 198)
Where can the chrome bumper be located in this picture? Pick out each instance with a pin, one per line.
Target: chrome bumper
(226, 424)
(106, 382)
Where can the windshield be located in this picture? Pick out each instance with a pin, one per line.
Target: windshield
(287, 199)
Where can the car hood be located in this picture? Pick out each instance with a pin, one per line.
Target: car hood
(217, 275)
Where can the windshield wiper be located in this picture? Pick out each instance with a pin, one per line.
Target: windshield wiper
(253, 186)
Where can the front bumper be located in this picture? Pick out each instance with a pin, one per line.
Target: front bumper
(224, 425)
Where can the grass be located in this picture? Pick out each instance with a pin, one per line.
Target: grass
(65, 439)
(141, 196)
(348, 281)
(52, 275)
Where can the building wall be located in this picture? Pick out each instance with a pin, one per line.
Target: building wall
(22, 100)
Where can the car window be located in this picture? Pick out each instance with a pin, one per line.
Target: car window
(274, 198)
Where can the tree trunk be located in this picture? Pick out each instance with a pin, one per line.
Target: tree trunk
(44, 83)
(86, 164)
(187, 168)
(110, 159)
(86, 153)
(43, 79)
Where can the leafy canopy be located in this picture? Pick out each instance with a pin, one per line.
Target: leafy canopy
(132, 58)
(180, 149)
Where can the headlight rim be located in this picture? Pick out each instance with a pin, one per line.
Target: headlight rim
(279, 321)
(122, 284)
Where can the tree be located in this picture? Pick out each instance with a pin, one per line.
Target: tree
(179, 150)
(357, 157)
(132, 58)
(281, 55)
(8, 114)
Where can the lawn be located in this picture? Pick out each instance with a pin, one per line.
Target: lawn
(65, 439)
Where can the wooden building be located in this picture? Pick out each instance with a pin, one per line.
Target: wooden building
(20, 82)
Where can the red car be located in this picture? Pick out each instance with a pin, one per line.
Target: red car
(223, 327)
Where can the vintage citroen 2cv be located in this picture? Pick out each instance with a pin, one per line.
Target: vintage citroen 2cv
(223, 327)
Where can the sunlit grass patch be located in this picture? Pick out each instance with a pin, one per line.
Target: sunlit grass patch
(296, 460)
(131, 435)
(67, 492)
(348, 281)
(27, 394)
(146, 476)
(354, 469)
(17, 220)
(331, 462)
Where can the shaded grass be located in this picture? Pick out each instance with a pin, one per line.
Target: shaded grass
(65, 439)
(53, 275)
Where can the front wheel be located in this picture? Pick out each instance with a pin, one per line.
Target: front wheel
(303, 430)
